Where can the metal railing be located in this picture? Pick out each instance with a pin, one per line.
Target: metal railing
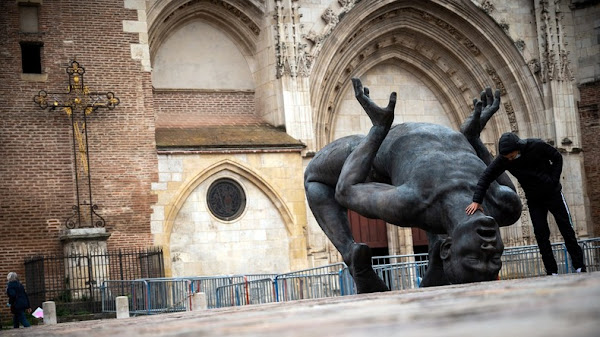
(73, 281)
(210, 284)
(247, 292)
(591, 253)
(526, 261)
(325, 281)
(150, 296)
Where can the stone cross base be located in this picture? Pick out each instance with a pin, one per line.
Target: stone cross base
(86, 260)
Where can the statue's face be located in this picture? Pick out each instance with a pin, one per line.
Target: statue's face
(475, 252)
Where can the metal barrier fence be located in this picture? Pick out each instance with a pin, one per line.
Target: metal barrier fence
(401, 271)
(404, 275)
(210, 284)
(591, 253)
(247, 292)
(159, 295)
(526, 261)
(326, 281)
(316, 282)
(149, 296)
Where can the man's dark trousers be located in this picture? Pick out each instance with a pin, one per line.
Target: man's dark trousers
(538, 210)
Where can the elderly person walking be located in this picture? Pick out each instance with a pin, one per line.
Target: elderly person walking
(18, 300)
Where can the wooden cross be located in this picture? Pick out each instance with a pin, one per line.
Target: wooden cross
(79, 100)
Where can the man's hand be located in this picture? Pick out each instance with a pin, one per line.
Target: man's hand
(473, 207)
(29, 310)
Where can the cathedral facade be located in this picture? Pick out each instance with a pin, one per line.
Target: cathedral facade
(222, 104)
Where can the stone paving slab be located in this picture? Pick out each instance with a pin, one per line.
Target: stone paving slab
(565, 305)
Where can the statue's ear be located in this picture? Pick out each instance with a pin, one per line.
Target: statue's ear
(435, 276)
(445, 248)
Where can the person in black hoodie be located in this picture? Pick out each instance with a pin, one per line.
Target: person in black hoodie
(18, 300)
(537, 166)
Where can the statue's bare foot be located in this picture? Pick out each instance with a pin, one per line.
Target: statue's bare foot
(379, 116)
(362, 271)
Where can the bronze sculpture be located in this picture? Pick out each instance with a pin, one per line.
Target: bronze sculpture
(414, 175)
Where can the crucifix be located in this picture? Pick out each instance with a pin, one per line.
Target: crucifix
(78, 103)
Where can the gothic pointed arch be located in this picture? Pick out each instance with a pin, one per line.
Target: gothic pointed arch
(185, 190)
(240, 169)
(453, 47)
(236, 18)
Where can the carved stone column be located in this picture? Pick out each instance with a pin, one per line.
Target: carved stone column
(86, 260)
(562, 117)
(556, 74)
(293, 69)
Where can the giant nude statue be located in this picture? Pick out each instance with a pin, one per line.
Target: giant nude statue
(414, 175)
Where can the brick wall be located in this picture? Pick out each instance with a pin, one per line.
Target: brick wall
(36, 173)
(589, 106)
(178, 108)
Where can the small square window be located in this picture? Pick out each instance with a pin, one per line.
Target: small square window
(28, 17)
(31, 57)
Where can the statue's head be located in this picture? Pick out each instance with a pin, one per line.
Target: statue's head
(471, 253)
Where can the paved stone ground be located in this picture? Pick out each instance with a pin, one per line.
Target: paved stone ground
(566, 305)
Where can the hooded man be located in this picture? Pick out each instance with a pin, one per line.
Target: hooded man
(537, 166)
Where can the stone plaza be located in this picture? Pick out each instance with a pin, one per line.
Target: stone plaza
(565, 305)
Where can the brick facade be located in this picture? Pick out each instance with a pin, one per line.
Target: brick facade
(188, 108)
(589, 106)
(36, 170)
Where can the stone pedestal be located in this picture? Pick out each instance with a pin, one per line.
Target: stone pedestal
(86, 260)
(122, 305)
(49, 309)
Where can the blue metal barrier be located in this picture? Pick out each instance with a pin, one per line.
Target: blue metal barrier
(248, 292)
(151, 296)
(310, 283)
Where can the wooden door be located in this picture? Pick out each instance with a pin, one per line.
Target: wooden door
(372, 232)
(419, 237)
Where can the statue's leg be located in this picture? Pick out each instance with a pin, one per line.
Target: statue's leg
(321, 176)
(322, 182)
(333, 219)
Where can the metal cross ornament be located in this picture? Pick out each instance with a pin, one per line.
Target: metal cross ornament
(78, 103)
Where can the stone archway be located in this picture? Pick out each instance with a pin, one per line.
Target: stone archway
(456, 52)
(255, 242)
(194, 189)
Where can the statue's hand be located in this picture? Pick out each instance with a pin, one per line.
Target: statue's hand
(379, 116)
(483, 111)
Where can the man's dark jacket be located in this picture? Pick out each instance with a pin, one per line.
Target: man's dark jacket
(17, 297)
(538, 170)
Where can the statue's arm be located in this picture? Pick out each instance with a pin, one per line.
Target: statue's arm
(393, 204)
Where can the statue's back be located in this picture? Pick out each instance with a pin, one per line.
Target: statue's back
(430, 152)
